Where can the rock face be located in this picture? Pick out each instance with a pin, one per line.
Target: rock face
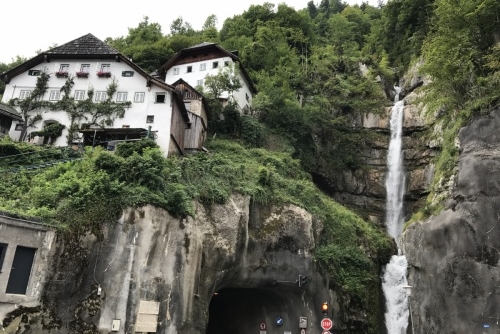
(364, 190)
(234, 267)
(454, 257)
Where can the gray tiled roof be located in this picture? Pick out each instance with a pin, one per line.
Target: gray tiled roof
(85, 45)
(9, 111)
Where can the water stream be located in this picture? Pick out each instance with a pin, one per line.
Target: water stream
(394, 279)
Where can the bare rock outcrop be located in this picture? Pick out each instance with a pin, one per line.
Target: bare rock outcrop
(152, 272)
(454, 257)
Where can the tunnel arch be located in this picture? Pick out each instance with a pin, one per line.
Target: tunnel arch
(246, 310)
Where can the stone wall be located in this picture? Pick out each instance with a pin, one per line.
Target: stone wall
(16, 233)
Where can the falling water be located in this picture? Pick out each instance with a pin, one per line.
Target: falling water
(396, 317)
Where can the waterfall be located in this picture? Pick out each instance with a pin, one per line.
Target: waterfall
(394, 279)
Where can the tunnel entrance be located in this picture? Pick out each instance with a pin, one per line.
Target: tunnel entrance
(272, 310)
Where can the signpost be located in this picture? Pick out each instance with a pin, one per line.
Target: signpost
(262, 327)
(326, 324)
(302, 322)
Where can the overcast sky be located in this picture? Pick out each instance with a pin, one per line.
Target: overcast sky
(32, 25)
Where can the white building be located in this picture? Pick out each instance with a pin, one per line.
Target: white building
(155, 106)
(193, 64)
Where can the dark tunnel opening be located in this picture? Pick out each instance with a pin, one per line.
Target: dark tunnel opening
(258, 310)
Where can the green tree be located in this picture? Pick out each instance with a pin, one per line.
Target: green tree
(145, 45)
(4, 67)
(31, 106)
(178, 26)
(457, 51)
(226, 80)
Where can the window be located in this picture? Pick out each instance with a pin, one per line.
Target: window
(79, 95)
(54, 95)
(34, 72)
(127, 73)
(199, 83)
(64, 68)
(19, 126)
(20, 277)
(247, 97)
(189, 69)
(121, 97)
(187, 105)
(160, 98)
(203, 67)
(105, 67)
(226, 63)
(176, 71)
(85, 68)
(215, 64)
(24, 94)
(100, 95)
(139, 97)
(150, 119)
(3, 250)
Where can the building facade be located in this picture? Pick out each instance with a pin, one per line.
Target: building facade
(193, 64)
(93, 65)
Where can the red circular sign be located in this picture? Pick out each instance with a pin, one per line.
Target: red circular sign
(326, 324)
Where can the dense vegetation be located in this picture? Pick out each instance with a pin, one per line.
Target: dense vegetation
(306, 67)
(83, 195)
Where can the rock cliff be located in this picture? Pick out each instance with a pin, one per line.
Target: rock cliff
(364, 189)
(453, 257)
(232, 268)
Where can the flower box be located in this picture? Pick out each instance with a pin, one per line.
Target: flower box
(62, 74)
(82, 74)
(102, 74)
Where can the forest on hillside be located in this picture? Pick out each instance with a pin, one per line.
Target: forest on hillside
(315, 70)
(306, 65)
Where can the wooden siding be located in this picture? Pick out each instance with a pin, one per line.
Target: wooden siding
(177, 129)
(202, 56)
(196, 135)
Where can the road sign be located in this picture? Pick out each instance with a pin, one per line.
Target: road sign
(326, 324)
(302, 322)
(326, 332)
(262, 326)
(302, 331)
